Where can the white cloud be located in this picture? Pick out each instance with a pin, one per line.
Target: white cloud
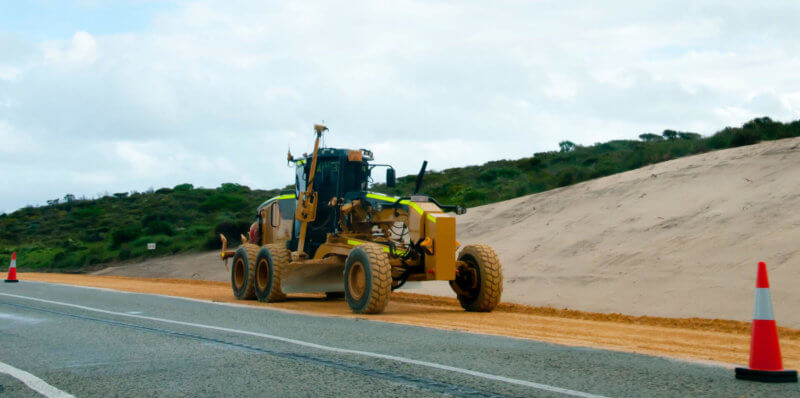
(13, 142)
(215, 91)
(82, 49)
(792, 102)
(9, 73)
(561, 87)
(138, 156)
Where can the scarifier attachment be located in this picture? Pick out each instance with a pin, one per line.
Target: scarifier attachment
(226, 254)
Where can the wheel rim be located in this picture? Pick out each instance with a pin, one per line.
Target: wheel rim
(357, 281)
(238, 273)
(262, 275)
(468, 278)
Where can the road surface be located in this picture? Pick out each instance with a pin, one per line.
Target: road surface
(94, 342)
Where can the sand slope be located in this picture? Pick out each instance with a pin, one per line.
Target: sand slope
(676, 239)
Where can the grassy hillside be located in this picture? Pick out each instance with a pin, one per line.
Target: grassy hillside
(505, 179)
(72, 234)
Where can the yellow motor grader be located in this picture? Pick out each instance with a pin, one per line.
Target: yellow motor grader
(332, 235)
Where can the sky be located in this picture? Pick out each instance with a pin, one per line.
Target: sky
(112, 96)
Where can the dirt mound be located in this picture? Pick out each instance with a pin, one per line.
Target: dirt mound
(675, 239)
(201, 266)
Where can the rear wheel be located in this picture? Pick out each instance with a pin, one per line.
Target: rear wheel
(243, 271)
(479, 278)
(367, 279)
(271, 262)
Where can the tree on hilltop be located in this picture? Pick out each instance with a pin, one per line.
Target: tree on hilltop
(566, 146)
(650, 137)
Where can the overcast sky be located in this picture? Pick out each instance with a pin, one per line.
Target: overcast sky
(114, 96)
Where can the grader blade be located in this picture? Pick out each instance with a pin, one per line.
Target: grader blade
(314, 276)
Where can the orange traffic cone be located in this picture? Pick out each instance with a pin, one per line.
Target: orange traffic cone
(12, 269)
(765, 352)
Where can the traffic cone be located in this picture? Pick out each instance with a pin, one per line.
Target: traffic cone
(12, 269)
(765, 352)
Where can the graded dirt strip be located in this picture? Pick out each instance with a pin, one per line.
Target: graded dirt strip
(721, 341)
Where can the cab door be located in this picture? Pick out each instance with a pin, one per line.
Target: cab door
(275, 225)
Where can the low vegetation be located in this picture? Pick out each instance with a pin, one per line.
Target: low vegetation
(73, 234)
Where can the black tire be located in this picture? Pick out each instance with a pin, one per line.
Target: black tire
(367, 279)
(334, 295)
(243, 271)
(271, 262)
(479, 282)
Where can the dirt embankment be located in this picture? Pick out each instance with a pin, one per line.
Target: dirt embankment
(676, 239)
(697, 339)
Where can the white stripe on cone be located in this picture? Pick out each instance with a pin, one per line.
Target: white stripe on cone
(13, 264)
(763, 308)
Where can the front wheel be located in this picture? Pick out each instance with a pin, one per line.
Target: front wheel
(367, 279)
(479, 278)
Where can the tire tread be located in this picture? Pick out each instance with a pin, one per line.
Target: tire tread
(280, 262)
(252, 252)
(491, 277)
(381, 285)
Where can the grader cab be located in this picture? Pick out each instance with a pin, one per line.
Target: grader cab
(332, 235)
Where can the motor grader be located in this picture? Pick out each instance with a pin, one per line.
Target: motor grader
(332, 235)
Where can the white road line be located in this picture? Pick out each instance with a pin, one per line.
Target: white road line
(488, 376)
(33, 382)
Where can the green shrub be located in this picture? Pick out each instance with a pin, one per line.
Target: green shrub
(745, 137)
(493, 174)
(222, 201)
(231, 230)
(93, 235)
(69, 260)
(233, 188)
(566, 177)
(475, 195)
(183, 188)
(159, 227)
(125, 234)
(532, 163)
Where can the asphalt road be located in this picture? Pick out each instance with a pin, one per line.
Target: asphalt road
(93, 342)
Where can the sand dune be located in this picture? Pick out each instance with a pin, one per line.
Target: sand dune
(675, 239)
(679, 239)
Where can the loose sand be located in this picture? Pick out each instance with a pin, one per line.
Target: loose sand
(675, 239)
(726, 342)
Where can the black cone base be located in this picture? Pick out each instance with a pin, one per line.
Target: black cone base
(14, 281)
(767, 376)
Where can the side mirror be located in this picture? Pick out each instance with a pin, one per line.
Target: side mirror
(390, 178)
